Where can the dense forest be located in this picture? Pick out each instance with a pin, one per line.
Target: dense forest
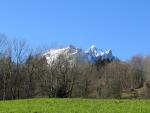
(24, 73)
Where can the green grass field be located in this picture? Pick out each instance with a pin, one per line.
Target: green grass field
(75, 106)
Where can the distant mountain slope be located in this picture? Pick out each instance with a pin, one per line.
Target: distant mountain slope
(92, 54)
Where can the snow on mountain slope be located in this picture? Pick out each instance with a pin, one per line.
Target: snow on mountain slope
(96, 54)
(92, 54)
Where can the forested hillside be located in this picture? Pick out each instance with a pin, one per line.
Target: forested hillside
(25, 73)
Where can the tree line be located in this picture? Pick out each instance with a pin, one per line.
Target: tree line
(24, 73)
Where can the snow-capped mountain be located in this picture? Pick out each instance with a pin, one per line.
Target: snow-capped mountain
(92, 54)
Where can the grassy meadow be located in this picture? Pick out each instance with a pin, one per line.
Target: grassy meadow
(74, 106)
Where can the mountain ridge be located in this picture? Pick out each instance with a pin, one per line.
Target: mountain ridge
(92, 54)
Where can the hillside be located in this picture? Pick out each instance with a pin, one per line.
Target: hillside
(95, 73)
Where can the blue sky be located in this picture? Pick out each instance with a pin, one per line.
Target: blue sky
(120, 25)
